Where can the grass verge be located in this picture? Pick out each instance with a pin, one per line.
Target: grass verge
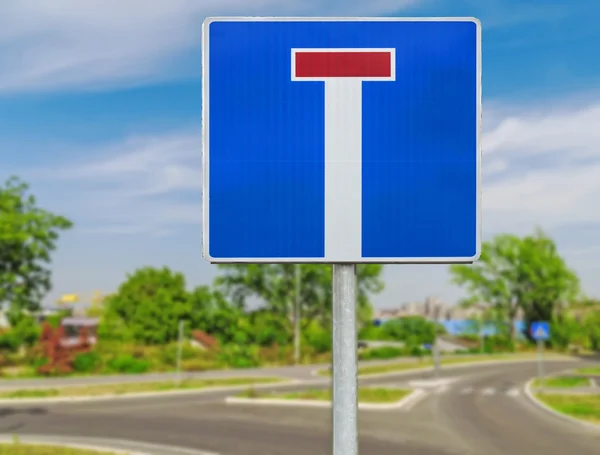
(562, 382)
(31, 449)
(365, 395)
(131, 388)
(394, 367)
(591, 371)
(584, 407)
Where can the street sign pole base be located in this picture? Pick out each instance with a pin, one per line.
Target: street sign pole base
(344, 377)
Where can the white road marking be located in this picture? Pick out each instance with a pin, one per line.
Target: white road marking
(432, 382)
(513, 392)
(415, 398)
(466, 391)
(489, 391)
(441, 390)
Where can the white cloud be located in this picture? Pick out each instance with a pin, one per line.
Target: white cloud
(145, 185)
(542, 167)
(67, 44)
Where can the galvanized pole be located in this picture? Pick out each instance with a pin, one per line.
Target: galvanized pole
(482, 337)
(179, 351)
(540, 346)
(345, 384)
(297, 315)
(436, 357)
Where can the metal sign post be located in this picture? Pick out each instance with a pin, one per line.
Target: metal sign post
(297, 314)
(540, 331)
(540, 350)
(345, 382)
(482, 337)
(436, 358)
(179, 351)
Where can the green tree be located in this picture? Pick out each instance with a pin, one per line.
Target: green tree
(148, 306)
(413, 330)
(591, 327)
(28, 235)
(580, 323)
(213, 314)
(275, 286)
(516, 274)
(26, 329)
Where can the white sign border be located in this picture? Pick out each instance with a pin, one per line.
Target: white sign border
(325, 260)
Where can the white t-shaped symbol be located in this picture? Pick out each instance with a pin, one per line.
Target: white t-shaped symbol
(343, 71)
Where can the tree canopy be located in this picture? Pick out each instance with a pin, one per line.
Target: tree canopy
(514, 273)
(28, 235)
(275, 286)
(150, 302)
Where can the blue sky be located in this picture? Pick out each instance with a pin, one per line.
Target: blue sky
(100, 106)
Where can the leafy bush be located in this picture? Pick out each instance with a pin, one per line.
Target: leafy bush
(413, 330)
(237, 356)
(318, 338)
(384, 352)
(498, 343)
(10, 341)
(87, 362)
(168, 354)
(198, 364)
(470, 338)
(372, 332)
(39, 362)
(126, 363)
(416, 351)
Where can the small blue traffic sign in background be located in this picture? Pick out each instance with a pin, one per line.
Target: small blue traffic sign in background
(301, 164)
(540, 330)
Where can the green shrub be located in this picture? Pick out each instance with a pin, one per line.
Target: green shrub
(87, 362)
(168, 354)
(39, 362)
(371, 332)
(10, 341)
(416, 351)
(498, 343)
(471, 338)
(413, 330)
(318, 338)
(237, 356)
(198, 364)
(127, 363)
(384, 352)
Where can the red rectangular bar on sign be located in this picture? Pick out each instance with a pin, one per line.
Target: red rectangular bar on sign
(343, 64)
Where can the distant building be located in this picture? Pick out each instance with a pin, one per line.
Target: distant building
(454, 318)
(73, 328)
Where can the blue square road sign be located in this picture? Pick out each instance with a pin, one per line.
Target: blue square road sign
(341, 140)
(540, 330)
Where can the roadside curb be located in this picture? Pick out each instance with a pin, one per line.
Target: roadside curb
(413, 396)
(408, 372)
(544, 407)
(133, 395)
(110, 446)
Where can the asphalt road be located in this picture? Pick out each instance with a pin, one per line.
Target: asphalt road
(477, 414)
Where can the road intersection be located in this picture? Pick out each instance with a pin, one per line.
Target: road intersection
(478, 410)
